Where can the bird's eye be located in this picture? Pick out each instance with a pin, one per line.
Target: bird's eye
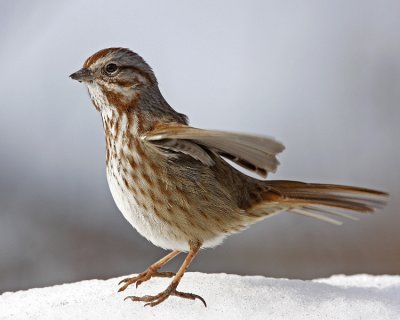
(111, 68)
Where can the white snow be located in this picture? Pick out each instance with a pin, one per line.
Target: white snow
(227, 296)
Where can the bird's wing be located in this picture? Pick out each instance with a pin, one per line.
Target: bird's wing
(255, 153)
(186, 147)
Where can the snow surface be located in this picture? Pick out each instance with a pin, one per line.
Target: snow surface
(227, 296)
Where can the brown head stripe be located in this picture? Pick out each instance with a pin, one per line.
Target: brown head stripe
(98, 55)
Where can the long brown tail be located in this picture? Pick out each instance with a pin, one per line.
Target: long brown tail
(318, 201)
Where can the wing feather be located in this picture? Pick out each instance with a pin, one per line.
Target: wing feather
(186, 147)
(252, 152)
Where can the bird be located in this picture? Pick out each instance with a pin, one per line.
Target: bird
(177, 185)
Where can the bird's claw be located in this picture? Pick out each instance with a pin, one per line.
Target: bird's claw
(162, 296)
(143, 277)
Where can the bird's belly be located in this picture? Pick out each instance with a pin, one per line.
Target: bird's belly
(140, 213)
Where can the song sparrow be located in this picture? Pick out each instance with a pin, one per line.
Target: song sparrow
(171, 181)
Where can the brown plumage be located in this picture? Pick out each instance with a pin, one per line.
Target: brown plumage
(172, 182)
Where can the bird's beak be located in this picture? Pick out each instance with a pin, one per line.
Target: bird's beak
(83, 75)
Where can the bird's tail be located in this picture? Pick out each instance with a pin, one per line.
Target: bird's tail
(320, 201)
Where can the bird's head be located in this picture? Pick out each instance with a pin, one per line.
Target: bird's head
(115, 77)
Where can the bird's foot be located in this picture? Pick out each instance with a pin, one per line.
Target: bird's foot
(162, 296)
(143, 277)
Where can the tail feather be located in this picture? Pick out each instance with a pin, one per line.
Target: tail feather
(317, 216)
(333, 213)
(319, 201)
(320, 187)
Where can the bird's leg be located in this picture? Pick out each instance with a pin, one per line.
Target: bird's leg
(150, 272)
(171, 289)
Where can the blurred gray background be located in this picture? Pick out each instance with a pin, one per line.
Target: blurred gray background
(321, 76)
